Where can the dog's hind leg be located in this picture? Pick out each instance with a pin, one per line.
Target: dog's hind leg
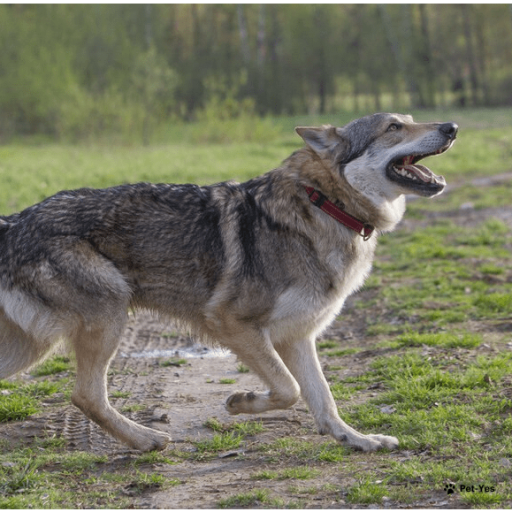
(301, 359)
(263, 359)
(94, 348)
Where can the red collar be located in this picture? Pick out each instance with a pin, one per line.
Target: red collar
(319, 200)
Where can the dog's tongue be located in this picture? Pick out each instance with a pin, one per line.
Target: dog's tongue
(422, 172)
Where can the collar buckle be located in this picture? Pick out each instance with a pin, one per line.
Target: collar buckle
(319, 200)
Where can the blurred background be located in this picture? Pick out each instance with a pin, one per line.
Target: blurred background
(136, 72)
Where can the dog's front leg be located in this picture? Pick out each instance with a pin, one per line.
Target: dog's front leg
(257, 352)
(301, 359)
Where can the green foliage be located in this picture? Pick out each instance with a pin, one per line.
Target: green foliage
(120, 72)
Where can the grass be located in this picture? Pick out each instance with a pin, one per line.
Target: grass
(296, 473)
(220, 442)
(173, 362)
(19, 401)
(258, 498)
(52, 366)
(226, 380)
(31, 172)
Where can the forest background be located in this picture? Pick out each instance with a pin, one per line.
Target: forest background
(129, 72)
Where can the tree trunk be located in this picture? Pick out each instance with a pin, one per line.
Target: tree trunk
(244, 39)
(470, 54)
(261, 37)
(427, 58)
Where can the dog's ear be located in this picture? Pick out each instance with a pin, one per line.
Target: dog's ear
(326, 141)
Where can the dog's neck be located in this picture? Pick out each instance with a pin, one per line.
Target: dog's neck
(368, 206)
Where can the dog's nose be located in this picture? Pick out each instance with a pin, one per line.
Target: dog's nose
(449, 129)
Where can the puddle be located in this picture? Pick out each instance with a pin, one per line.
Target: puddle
(191, 352)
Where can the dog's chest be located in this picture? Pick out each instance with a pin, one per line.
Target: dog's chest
(316, 301)
(348, 265)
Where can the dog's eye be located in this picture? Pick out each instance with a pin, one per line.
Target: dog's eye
(393, 127)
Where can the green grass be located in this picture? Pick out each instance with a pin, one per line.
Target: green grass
(52, 366)
(241, 368)
(173, 362)
(133, 408)
(226, 380)
(220, 442)
(441, 407)
(31, 172)
(297, 473)
(367, 492)
(19, 401)
(437, 276)
(254, 499)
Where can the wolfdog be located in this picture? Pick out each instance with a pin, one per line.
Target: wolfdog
(260, 267)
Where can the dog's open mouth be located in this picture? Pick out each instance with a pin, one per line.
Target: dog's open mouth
(406, 171)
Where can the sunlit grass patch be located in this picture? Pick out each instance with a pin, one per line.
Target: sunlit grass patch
(52, 366)
(253, 499)
(173, 362)
(133, 407)
(227, 380)
(434, 403)
(341, 391)
(20, 401)
(153, 457)
(440, 339)
(326, 344)
(220, 442)
(298, 473)
(367, 492)
(494, 303)
(341, 352)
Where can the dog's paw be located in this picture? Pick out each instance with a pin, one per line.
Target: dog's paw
(372, 443)
(384, 442)
(154, 441)
(240, 402)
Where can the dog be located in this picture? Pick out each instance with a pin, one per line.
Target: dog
(260, 267)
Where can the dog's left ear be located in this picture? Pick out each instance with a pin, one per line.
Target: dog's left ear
(325, 141)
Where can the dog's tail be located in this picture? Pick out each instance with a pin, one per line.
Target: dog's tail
(18, 350)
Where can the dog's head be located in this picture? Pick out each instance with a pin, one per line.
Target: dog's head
(378, 155)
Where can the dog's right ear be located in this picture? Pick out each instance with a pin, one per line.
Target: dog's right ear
(326, 141)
